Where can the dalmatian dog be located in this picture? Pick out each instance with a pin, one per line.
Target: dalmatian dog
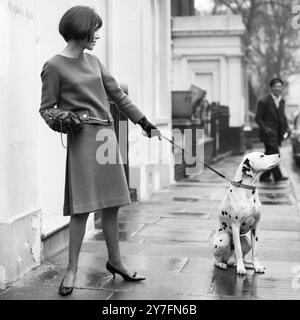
(239, 215)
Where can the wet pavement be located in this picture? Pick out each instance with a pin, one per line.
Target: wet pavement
(167, 239)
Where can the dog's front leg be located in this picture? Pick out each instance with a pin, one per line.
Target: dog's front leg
(238, 249)
(254, 242)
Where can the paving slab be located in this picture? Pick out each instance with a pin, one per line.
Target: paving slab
(159, 296)
(174, 283)
(50, 293)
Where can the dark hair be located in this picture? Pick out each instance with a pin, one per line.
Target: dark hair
(79, 23)
(274, 81)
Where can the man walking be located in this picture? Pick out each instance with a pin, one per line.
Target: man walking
(273, 125)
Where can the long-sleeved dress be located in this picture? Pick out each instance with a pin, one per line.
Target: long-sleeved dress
(95, 176)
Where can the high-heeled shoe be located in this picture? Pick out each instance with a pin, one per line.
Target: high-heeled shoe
(126, 277)
(64, 291)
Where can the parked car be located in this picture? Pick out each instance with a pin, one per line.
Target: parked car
(295, 139)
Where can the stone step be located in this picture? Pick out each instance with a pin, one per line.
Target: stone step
(57, 239)
(54, 242)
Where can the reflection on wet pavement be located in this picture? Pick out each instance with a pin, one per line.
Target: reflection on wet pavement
(233, 284)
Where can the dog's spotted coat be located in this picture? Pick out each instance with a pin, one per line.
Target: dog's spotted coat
(239, 213)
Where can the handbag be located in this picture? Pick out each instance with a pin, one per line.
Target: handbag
(63, 121)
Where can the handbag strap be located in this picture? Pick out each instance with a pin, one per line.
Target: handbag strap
(61, 136)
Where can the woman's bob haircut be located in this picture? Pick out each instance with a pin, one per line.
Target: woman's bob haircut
(79, 23)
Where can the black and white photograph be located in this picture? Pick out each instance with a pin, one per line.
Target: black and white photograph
(149, 151)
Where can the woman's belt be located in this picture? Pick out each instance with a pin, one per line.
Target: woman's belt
(85, 117)
(101, 121)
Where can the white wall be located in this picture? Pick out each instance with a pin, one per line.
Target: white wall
(19, 208)
(139, 55)
(18, 183)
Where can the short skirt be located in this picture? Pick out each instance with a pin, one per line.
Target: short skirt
(95, 176)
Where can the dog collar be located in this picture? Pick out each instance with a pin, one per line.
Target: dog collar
(243, 186)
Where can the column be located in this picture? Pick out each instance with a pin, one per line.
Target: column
(19, 210)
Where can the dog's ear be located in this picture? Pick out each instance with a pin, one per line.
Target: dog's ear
(247, 170)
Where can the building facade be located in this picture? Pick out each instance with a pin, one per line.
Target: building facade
(134, 44)
(207, 52)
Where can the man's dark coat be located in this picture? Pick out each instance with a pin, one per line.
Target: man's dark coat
(269, 116)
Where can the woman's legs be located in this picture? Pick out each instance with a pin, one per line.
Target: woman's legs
(76, 235)
(110, 228)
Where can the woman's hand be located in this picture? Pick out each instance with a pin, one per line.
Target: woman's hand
(149, 128)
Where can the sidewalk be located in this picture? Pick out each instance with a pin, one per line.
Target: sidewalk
(167, 239)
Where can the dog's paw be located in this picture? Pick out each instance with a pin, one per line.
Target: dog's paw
(241, 269)
(248, 264)
(221, 265)
(259, 269)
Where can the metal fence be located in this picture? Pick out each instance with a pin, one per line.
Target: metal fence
(118, 117)
(218, 123)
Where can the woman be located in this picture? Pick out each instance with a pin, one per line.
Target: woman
(77, 82)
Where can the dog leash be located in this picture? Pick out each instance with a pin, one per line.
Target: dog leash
(234, 183)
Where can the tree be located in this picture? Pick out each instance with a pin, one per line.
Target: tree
(270, 42)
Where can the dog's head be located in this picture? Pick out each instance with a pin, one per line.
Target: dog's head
(255, 163)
